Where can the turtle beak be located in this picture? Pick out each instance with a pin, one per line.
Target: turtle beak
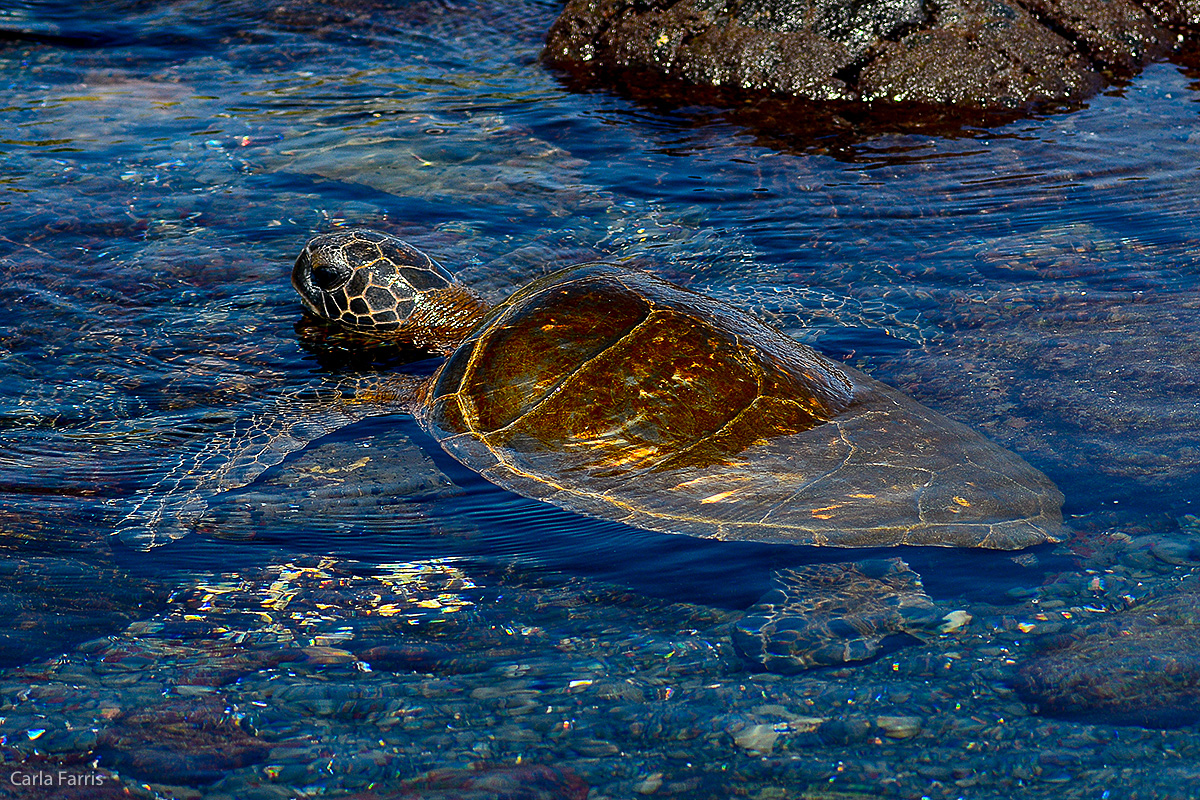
(302, 279)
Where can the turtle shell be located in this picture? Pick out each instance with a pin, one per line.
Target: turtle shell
(615, 394)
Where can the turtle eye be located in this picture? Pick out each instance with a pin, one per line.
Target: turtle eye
(328, 275)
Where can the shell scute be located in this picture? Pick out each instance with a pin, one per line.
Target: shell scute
(522, 358)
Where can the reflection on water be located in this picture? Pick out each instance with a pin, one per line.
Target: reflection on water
(163, 163)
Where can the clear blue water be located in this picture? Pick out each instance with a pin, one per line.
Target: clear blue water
(163, 163)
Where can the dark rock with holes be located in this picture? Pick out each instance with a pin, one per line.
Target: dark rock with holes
(801, 48)
(979, 54)
(1175, 13)
(1116, 34)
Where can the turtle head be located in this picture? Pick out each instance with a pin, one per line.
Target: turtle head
(375, 283)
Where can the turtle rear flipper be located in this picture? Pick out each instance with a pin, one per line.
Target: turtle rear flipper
(828, 614)
(174, 505)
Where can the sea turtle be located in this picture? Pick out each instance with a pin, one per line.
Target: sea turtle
(610, 392)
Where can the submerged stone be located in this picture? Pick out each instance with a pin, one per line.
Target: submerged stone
(758, 739)
(485, 781)
(1140, 668)
(899, 727)
(50, 602)
(189, 741)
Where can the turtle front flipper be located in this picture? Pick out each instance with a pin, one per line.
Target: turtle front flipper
(827, 614)
(175, 503)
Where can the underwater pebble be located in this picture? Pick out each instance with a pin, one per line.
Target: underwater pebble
(850, 730)
(899, 727)
(650, 784)
(758, 739)
(1174, 551)
(594, 748)
(328, 655)
(955, 621)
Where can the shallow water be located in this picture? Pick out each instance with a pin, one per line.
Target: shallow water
(164, 163)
